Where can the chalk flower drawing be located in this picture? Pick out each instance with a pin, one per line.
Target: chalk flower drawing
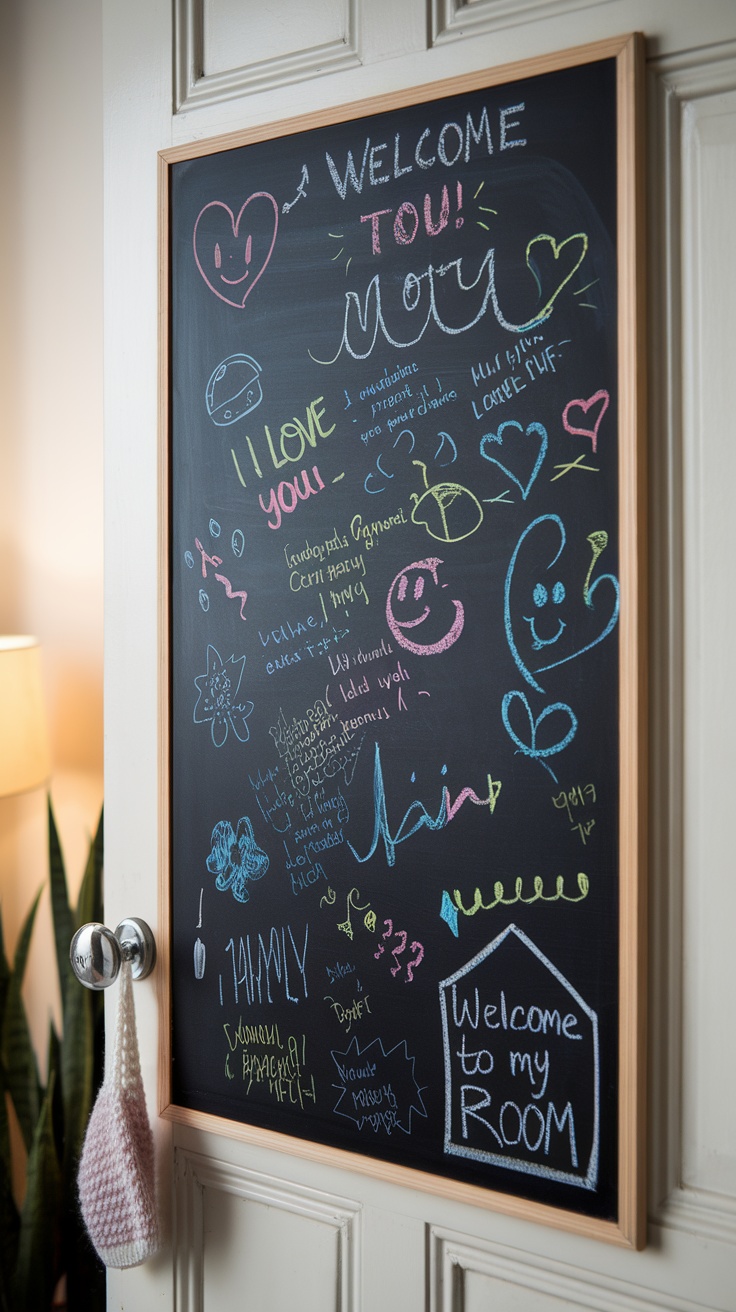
(217, 703)
(236, 858)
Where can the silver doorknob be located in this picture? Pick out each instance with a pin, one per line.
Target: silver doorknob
(97, 954)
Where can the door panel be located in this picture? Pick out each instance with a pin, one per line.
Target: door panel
(261, 1229)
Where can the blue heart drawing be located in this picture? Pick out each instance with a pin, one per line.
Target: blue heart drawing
(530, 748)
(508, 623)
(539, 429)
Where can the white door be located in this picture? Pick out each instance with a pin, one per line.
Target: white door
(247, 1226)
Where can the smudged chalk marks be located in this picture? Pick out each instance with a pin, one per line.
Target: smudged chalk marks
(236, 858)
(217, 703)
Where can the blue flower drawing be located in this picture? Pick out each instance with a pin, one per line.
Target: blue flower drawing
(235, 858)
(217, 703)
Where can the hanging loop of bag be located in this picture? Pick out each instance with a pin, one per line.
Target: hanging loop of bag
(116, 1179)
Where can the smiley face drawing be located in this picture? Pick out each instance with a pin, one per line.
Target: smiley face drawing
(415, 600)
(539, 615)
(232, 252)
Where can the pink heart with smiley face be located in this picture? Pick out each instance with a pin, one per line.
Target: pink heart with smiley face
(232, 252)
(604, 399)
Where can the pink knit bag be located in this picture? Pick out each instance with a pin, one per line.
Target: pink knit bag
(117, 1188)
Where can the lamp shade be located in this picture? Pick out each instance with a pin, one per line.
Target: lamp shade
(24, 750)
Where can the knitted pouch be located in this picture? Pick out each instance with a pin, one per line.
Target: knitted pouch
(116, 1170)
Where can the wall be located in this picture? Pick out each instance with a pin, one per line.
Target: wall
(51, 428)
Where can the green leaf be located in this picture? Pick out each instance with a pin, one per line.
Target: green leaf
(80, 1011)
(21, 1069)
(53, 1067)
(89, 904)
(4, 970)
(50, 1236)
(5, 1160)
(9, 1218)
(77, 1064)
(39, 1244)
(63, 920)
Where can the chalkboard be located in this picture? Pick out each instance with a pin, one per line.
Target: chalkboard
(402, 384)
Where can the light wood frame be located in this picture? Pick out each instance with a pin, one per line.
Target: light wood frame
(629, 1230)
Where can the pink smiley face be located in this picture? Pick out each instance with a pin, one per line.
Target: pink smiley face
(232, 252)
(415, 602)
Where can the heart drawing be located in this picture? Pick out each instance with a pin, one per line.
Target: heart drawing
(565, 721)
(569, 259)
(600, 398)
(536, 430)
(224, 245)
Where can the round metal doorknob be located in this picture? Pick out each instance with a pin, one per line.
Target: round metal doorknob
(97, 954)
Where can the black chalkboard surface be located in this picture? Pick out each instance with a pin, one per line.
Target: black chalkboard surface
(403, 562)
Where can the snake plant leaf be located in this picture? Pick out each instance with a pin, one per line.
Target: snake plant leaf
(82, 1009)
(78, 1006)
(4, 970)
(48, 1236)
(39, 1243)
(5, 1305)
(77, 1067)
(53, 1067)
(62, 913)
(89, 904)
(19, 1059)
(5, 1163)
(5, 1158)
(9, 1218)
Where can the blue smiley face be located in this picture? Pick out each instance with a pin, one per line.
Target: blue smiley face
(541, 596)
(533, 593)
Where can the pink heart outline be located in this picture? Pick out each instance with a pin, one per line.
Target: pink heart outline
(592, 433)
(235, 225)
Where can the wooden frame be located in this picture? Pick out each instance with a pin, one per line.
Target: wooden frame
(628, 1229)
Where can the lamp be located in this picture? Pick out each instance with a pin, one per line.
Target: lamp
(25, 761)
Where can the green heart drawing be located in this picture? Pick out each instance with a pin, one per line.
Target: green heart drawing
(557, 249)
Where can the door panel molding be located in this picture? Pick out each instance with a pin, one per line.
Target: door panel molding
(548, 1285)
(680, 88)
(454, 19)
(193, 86)
(195, 1173)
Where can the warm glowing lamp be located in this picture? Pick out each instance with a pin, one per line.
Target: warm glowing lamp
(24, 749)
